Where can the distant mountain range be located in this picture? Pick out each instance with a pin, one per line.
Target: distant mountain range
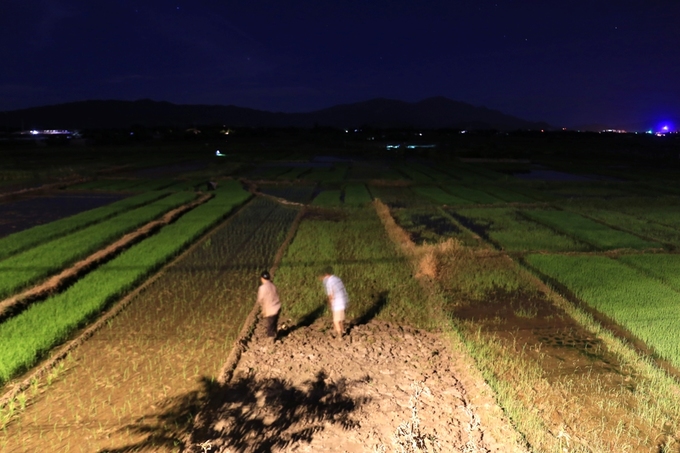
(432, 113)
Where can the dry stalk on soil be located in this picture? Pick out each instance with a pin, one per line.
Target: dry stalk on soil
(428, 256)
(409, 437)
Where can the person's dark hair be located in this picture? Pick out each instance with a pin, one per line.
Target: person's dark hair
(265, 275)
(328, 270)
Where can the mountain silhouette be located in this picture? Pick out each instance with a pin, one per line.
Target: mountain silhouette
(431, 113)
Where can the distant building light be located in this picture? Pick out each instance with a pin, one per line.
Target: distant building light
(393, 146)
(34, 132)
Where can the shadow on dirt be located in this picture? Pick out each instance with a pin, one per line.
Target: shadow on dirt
(306, 321)
(246, 415)
(379, 302)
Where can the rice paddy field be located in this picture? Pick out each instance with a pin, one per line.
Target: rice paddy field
(564, 295)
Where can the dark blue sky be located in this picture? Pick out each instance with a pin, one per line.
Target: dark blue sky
(568, 63)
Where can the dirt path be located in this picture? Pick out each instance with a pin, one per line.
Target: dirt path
(311, 392)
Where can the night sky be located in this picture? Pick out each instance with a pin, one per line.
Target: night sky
(567, 63)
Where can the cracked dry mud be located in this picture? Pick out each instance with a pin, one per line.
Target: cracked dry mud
(311, 392)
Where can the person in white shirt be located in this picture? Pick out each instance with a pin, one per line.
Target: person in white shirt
(337, 298)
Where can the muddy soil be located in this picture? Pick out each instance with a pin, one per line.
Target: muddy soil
(312, 392)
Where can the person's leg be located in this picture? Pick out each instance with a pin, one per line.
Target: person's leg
(338, 321)
(270, 324)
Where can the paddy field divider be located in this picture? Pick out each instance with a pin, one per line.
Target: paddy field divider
(131, 270)
(55, 282)
(241, 343)
(23, 240)
(19, 271)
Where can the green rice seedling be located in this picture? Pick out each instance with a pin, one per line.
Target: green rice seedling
(45, 324)
(513, 232)
(642, 304)
(266, 172)
(333, 174)
(665, 267)
(438, 195)
(30, 266)
(378, 279)
(356, 195)
(398, 196)
(433, 173)
(472, 195)
(462, 172)
(23, 240)
(328, 199)
(506, 194)
(297, 193)
(294, 173)
(414, 174)
(589, 231)
(365, 171)
(635, 225)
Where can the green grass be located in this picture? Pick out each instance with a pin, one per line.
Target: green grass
(589, 231)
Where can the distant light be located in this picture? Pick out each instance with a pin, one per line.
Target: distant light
(34, 132)
(665, 128)
(218, 153)
(650, 131)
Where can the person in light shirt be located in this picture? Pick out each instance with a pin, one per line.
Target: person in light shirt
(337, 298)
(268, 298)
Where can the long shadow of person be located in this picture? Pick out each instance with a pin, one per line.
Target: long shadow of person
(247, 415)
(306, 321)
(379, 302)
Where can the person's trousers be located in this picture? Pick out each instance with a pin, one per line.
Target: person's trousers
(270, 323)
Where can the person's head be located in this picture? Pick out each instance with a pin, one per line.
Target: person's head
(265, 276)
(325, 272)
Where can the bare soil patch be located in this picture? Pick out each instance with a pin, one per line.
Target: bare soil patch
(311, 392)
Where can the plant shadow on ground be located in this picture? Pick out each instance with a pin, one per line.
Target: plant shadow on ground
(245, 415)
